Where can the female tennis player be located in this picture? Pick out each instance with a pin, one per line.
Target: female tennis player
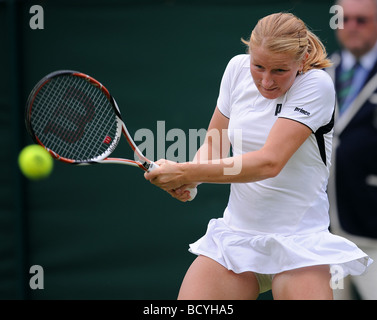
(274, 231)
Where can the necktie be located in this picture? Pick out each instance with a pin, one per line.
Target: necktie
(345, 86)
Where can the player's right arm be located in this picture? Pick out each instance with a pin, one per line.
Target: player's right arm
(216, 145)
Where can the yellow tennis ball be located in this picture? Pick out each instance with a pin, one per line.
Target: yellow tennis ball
(35, 162)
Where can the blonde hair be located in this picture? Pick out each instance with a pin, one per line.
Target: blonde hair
(285, 33)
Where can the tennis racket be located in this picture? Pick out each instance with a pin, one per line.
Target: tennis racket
(75, 118)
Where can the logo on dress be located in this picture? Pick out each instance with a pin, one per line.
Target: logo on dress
(278, 108)
(302, 111)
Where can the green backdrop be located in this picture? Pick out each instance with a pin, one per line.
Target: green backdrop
(103, 232)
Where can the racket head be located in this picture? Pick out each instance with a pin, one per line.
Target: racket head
(74, 117)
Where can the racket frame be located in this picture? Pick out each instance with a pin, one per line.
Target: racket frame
(144, 163)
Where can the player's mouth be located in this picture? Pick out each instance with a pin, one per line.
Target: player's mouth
(269, 89)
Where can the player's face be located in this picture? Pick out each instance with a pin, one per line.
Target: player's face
(360, 26)
(273, 73)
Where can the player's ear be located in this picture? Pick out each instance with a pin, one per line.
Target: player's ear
(302, 63)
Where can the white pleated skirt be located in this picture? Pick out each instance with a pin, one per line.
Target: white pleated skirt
(275, 253)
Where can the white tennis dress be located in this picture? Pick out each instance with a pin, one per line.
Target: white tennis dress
(279, 223)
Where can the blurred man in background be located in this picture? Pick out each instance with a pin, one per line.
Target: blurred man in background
(353, 187)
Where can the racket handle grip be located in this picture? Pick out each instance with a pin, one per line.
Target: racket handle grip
(193, 191)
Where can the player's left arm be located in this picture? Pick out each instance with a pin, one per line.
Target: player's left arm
(284, 139)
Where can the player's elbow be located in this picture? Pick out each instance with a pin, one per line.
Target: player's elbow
(261, 165)
(272, 166)
(272, 169)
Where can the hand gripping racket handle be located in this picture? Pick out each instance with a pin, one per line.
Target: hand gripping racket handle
(193, 191)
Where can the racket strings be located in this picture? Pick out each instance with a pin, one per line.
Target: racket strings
(74, 119)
